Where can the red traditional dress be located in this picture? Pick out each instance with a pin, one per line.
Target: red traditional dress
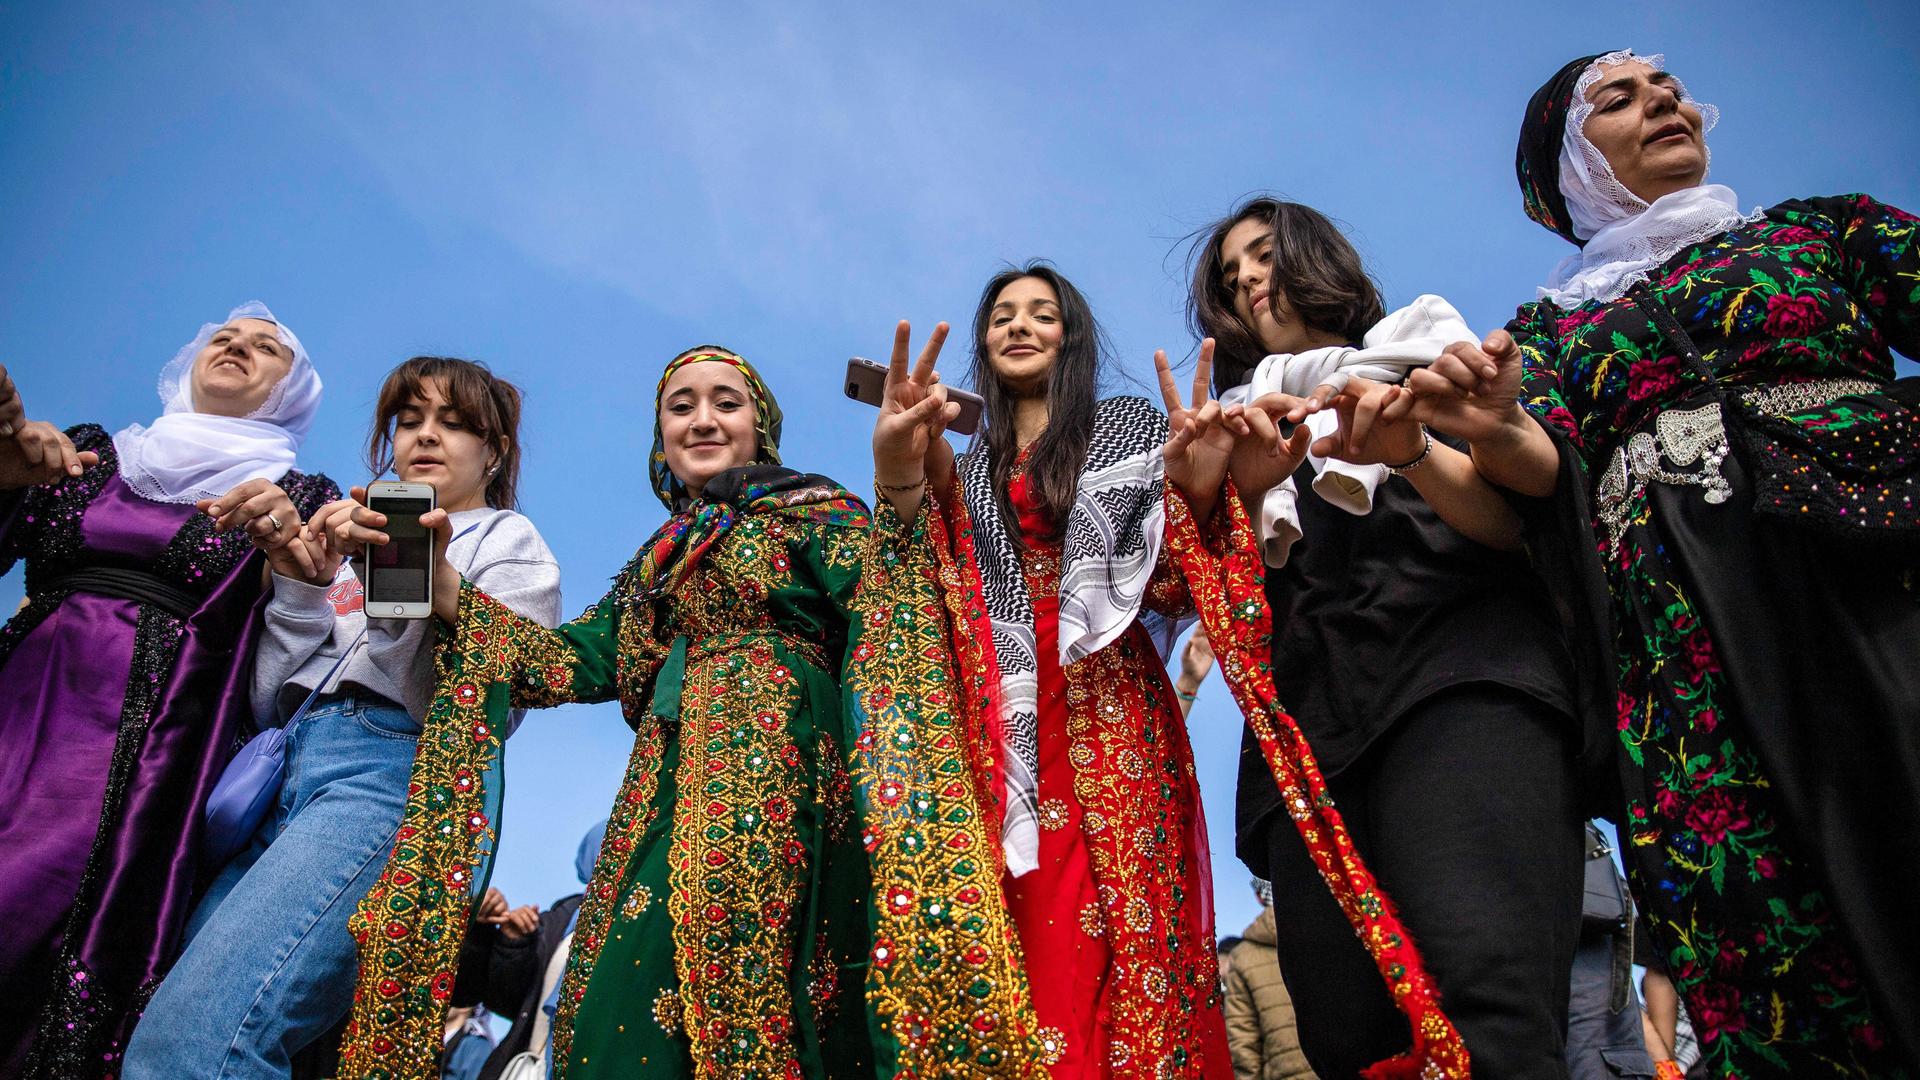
(1114, 908)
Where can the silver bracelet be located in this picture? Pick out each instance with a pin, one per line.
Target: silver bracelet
(1419, 459)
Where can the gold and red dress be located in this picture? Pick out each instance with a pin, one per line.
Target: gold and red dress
(1115, 915)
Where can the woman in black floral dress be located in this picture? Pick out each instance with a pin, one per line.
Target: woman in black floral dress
(1712, 452)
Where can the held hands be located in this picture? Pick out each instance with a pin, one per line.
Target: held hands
(909, 444)
(1471, 392)
(1367, 435)
(265, 513)
(1262, 457)
(514, 924)
(1201, 438)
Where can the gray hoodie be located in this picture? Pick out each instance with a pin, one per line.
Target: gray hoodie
(309, 626)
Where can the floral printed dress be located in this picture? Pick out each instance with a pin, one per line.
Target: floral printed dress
(1768, 677)
(792, 882)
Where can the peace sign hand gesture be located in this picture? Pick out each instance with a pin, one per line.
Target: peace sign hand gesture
(909, 448)
(1201, 437)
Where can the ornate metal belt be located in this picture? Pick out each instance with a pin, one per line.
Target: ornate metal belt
(1687, 446)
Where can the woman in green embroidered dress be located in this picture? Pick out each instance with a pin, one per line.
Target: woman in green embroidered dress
(795, 817)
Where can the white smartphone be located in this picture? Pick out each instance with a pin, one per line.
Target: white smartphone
(399, 573)
(867, 381)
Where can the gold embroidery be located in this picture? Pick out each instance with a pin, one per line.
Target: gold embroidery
(667, 1010)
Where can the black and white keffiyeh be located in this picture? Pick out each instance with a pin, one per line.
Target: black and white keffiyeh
(1111, 542)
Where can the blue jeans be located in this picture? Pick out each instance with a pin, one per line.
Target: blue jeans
(269, 966)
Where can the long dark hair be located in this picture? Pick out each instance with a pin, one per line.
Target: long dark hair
(487, 403)
(1053, 467)
(1314, 266)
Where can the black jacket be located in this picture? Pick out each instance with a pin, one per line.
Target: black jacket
(505, 976)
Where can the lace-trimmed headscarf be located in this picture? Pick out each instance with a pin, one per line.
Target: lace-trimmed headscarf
(186, 455)
(1568, 186)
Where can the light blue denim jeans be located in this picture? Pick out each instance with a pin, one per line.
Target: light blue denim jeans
(269, 966)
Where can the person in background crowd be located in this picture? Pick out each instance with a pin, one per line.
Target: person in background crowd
(1604, 1019)
(1260, 1022)
(514, 969)
(1107, 877)
(1700, 418)
(269, 963)
(770, 648)
(1417, 652)
(468, 1043)
(1196, 659)
(1222, 950)
(123, 685)
(1669, 1034)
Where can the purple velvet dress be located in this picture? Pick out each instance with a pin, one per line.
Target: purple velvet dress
(116, 717)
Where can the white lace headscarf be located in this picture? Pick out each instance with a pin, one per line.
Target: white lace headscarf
(186, 456)
(1625, 237)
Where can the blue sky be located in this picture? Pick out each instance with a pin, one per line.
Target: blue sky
(573, 192)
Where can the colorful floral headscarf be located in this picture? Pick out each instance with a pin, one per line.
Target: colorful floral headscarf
(766, 421)
(1537, 161)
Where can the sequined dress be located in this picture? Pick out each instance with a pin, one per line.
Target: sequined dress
(116, 717)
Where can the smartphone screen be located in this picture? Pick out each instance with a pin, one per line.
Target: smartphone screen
(397, 571)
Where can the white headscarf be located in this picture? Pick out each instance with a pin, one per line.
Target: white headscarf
(187, 456)
(1625, 237)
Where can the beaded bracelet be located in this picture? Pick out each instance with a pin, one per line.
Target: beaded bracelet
(1418, 459)
(894, 489)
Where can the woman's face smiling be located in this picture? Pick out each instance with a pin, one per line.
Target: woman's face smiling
(1024, 332)
(1652, 137)
(707, 423)
(238, 367)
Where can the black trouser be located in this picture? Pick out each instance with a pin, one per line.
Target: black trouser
(1468, 815)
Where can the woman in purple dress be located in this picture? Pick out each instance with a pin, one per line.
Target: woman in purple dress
(124, 677)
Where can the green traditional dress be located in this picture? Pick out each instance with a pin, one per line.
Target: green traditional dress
(795, 880)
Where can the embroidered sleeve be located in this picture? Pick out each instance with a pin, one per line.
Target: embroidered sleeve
(1879, 258)
(536, 668)
(1167, 589)
(945, 958)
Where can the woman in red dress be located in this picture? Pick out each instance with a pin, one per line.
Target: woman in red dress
(1064, 606)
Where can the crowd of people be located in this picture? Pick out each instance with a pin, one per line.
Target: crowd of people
(910, 791)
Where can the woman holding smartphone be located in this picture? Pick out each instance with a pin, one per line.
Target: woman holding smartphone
(790, 821)
(269, 966)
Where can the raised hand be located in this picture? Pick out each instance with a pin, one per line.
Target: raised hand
(1200, 437)
(12, 413)
(39, 453)
(909, 447)
(1366, 435)
(1471, 392)
(1262, 457)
